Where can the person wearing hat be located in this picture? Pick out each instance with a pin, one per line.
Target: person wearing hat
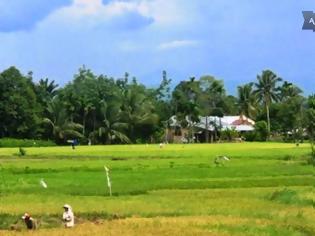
(29, 221)
(68, 216)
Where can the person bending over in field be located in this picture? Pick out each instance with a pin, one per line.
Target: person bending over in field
(29, 221)
(68, 216)
(220, 160)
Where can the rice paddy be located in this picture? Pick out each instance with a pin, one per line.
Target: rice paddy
(265, 189)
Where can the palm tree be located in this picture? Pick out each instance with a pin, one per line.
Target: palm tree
(137, 109)
(289, 90)
(112, 126)
(48, 86)
(46, 90)
(62, 127)
(267, 90)
(247, 100)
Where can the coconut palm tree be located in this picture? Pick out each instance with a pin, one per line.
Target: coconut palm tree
(247, 100)
(112, 126)
(267, 90)
(62, 127)
(137, 109)
(289, 90)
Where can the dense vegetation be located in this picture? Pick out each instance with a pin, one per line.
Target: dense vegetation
(107, 110)
(265, 189)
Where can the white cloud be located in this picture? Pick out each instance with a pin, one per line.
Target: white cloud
(84, 13)
(178, 44)
(163, 13)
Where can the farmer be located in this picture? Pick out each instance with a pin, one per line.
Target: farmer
(68, 217)
(29, 221)
(74, 143)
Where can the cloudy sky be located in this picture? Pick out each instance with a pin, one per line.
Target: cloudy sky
(233, 40)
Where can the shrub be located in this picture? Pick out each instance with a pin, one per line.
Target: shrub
(250, 136)
(229, 134)
(261, 131)
(259, 134)
(11, 142)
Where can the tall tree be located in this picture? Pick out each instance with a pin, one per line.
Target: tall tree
(290, 117)
(247, 100)
(288, 90)
(19, 109)
(310, 124)
(185, 103)
(212, 96)
(267, 91)
(112, 127)
(213, 101)
(81, 97)
(45, 91)
(62, 128)
(137, 110)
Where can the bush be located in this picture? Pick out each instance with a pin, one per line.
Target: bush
(249, 136)
(11, 142)
(229, 134)
(259, 134)
(261, 131)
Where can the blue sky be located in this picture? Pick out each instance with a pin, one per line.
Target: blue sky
(233, 40)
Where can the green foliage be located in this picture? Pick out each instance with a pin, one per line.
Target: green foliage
(22, 151)
(108, 110)
(261, 131)
(19, 110)
(247, 100)
(249, 136)
(45, 91)
(229, 134)
(11, 142)
(184, 100)
(267, 91)
(310, 126)
(61, 127)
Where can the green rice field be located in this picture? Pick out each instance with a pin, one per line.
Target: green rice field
(265, 189)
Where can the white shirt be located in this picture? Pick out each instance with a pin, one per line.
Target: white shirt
(68, 218)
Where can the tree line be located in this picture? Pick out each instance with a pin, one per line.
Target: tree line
(122, 110)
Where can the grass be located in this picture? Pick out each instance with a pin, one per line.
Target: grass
(266, 189)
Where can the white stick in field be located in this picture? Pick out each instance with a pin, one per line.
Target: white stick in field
(109, 184)
(42, 183)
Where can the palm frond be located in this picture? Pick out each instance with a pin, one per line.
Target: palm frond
(120, 136)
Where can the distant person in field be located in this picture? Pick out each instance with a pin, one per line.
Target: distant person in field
(68, 216)
(29, 221)
(74, 143)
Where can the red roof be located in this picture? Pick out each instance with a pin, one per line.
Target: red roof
(241, 121)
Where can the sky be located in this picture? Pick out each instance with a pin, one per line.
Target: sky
(233, 40)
